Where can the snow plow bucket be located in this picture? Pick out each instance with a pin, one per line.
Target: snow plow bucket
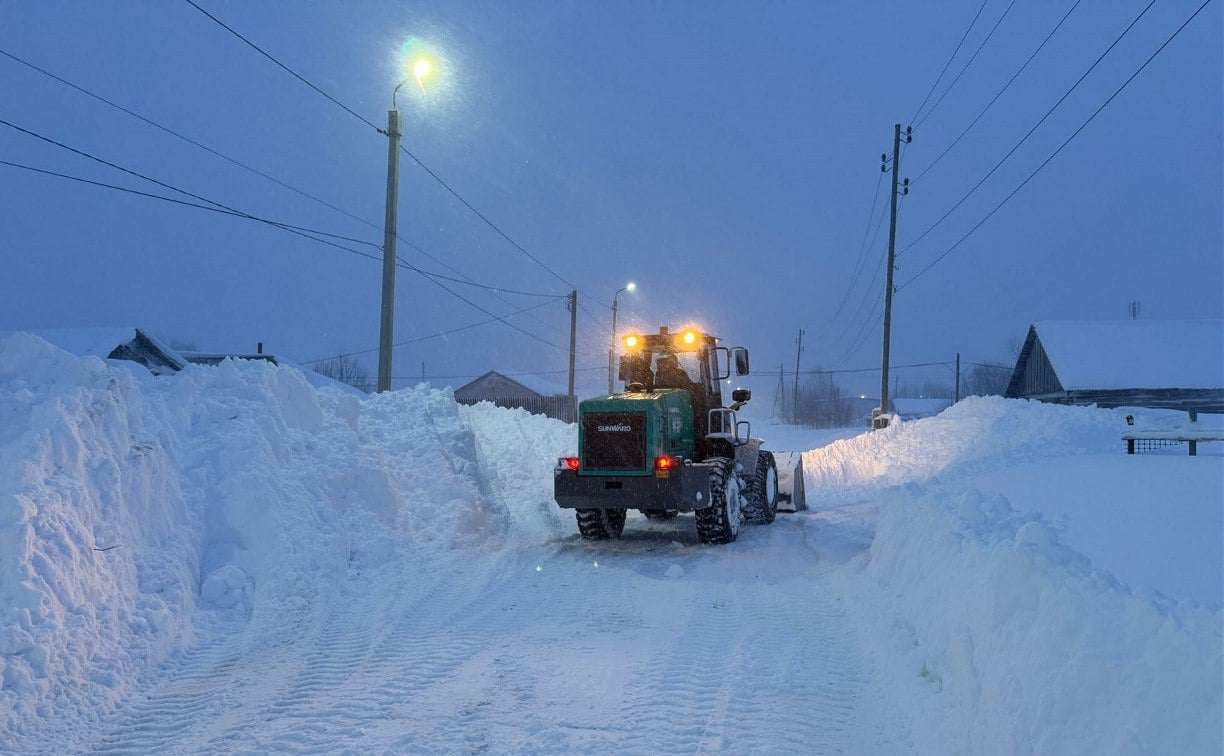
(791, 497)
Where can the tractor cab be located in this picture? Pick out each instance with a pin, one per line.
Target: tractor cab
(690, 361)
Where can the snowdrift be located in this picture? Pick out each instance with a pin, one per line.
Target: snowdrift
(990, 633)
(135, 511)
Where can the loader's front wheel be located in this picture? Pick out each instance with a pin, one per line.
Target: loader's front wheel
(762, 495)
(720, 522)
(600, 524)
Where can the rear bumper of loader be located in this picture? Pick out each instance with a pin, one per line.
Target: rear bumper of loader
(685, 488)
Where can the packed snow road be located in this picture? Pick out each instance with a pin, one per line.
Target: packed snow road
(651, 644)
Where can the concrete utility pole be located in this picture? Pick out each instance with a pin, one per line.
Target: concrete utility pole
(387, 323)
(881, 421)
(798, 354)
(573, 309)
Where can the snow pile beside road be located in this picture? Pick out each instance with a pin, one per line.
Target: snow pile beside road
(977, 433)
(992, 633)
(517, 452)
(999, 638)
(235, 498)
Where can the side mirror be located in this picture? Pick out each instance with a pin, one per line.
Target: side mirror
(741, 395)
(741, 360)
(743, 432)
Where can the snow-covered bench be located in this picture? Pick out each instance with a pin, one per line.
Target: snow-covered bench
(1190, 433)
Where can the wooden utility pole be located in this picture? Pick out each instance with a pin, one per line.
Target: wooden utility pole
(798, 354)
(573, 309)
(881, 421)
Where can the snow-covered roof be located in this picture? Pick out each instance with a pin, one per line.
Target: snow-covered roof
(532, 383)
(103, 342)
(1125, 354)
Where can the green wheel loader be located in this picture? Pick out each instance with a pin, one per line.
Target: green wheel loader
(667, 444)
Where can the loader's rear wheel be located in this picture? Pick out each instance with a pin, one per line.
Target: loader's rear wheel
(719, 523)
(600, 524)
(659, 514)
(762, 494)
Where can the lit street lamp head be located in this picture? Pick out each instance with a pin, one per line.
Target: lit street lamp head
(632, 286)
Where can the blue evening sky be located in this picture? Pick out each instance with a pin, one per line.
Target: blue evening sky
(721, 155)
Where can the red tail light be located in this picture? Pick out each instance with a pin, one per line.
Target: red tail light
(665, 463)
(571, 463)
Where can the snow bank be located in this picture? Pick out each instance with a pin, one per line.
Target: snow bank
(994, 637)
(517, 452)
(230, 499)
(976, 434)
(992, 633)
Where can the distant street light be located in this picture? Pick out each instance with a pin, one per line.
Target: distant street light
(420, 68)
(612, 347)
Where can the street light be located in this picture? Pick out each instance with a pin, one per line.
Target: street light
(421, 67)
(612, 348)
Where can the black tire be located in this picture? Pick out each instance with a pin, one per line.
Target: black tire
(600, 524)
(762, 493)
(719, 523)
(659, 514)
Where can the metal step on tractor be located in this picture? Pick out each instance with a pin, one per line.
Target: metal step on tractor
(667, 444)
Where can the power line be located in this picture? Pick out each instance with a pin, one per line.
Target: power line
(817, 371)
(967, 64)
(950, 59)
(508, 375)
(264, 175)
(406, 151)
(287, 69)
(1046, 162)
(237, 213)
(861, 260)
(439, 334)
(998, 94)
(1024, 139)
(185, 138)
(483, 217)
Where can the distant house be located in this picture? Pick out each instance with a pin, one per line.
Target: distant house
(525, 392)
(120, 343)
(1174, 364)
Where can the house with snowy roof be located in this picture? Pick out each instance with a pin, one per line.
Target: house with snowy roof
(528, 392)
(1173, 364)
(118, 343)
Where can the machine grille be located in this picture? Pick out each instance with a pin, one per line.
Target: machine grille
(614, 441)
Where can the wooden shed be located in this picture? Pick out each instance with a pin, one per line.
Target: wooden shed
(524, 392)
(1173, 364)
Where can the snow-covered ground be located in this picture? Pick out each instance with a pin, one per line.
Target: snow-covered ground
(233, 560)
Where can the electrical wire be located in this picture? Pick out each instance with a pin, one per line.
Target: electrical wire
(286, 68)
(1068, 140)
(950, 59)
(366, 121)
(237, 213)
(967, 64)
(1037, 125)
(998, 94)
(483, 217)
(439, 334)
(861, 260)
